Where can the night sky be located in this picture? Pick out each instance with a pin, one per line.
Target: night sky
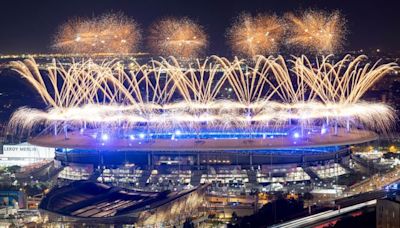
(28, 26)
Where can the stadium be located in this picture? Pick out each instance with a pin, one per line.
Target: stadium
(142, 127)
(171, 117)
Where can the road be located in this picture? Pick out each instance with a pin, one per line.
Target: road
(313, 219)
(376, 182)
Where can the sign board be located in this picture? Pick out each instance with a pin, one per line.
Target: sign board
(26, 150)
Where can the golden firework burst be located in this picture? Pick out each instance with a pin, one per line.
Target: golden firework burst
(317, 31)
(177, 37)
(259, 35)
(109, 33)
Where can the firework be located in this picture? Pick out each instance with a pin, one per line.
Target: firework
(109, 33)
(163, 95)
(259, 35)
(317, 31)
(177, 37)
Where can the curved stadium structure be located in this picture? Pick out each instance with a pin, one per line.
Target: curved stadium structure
(205, 112)
(161, 128)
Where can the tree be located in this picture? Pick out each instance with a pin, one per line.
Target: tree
(14, 169)
(188, 223)
(271, 213)
(234, 218)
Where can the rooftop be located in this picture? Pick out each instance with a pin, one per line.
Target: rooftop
(85, 140)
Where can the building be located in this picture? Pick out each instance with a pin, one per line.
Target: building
(95, 203)
(388, 213)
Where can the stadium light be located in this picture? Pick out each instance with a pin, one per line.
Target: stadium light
(104, 137)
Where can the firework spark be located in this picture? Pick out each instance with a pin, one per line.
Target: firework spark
(164, 95)
(318, 31)
(177, 37)
(259, 35)
(109, 33)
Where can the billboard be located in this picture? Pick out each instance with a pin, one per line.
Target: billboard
(26, 150)
(24, 154)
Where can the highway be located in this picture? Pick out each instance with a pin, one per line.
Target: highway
(313, 219)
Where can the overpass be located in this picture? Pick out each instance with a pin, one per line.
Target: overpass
(323, 216)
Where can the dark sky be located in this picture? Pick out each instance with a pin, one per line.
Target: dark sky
(28, 25)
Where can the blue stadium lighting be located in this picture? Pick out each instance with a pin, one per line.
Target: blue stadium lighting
(212, 133)
(104, 137)
(181, 134)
